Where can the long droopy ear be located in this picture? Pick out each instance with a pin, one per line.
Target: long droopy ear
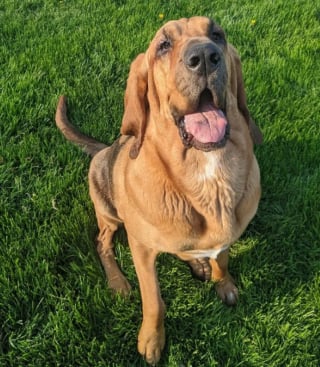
(237, 87)
(135, 104)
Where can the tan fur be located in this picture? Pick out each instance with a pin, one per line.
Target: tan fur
(170, 198)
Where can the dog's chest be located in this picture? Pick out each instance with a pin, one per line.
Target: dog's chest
(203, 219)
(208, 170)
(195, 209)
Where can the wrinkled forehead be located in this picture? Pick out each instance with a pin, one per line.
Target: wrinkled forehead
(186, 27)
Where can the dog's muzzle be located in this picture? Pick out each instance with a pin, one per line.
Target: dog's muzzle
(206, 128)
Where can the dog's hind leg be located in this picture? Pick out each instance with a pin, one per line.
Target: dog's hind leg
(116, 280)
(200, 268)
(224, 283)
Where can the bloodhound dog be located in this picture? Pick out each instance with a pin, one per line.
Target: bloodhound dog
(182, 178)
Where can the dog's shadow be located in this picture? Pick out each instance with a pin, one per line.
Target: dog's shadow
(288, 218)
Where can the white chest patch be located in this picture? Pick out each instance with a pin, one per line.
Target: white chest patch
(209, 168)
(212, 254)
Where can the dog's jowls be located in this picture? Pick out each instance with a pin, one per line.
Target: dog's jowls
(183, 177)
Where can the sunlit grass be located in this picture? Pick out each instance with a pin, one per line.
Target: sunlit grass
(55, 308)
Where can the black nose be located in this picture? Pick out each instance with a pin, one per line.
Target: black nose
(202, 58)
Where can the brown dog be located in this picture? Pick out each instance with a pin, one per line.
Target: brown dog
(182, 178)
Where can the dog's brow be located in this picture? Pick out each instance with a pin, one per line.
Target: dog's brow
(165, 34)
(173, 30)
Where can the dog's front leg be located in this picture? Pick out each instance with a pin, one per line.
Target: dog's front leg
(151, 337)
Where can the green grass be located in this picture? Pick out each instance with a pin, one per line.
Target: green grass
(55, 308)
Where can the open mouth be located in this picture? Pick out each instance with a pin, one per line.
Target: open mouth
(207, 128)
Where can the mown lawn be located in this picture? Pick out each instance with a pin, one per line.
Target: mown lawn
(55, 308)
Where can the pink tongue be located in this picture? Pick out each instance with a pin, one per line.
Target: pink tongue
(208, 125)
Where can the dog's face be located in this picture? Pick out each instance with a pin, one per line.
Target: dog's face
(184, 77)
(189, 60)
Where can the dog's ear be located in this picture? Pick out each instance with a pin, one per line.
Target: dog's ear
(237, 87)
(135, 104)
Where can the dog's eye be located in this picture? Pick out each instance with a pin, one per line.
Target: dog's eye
(216, 36)
(164, 47)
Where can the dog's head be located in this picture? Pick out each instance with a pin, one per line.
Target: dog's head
(184, 78)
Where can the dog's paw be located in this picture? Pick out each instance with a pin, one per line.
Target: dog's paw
(227, 291)
(119, 284)
(151, 343)
(200, 268)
